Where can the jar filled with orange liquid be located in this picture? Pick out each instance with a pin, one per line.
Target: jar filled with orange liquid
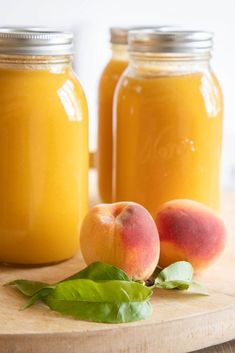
(107, 84)
(168, 121)
(43, 147)
(108, 81)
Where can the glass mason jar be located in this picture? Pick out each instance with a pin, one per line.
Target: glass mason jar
(108, 81)
(43, 147)
(107, 84)
(168, 121)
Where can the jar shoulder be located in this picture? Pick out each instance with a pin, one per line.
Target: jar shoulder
(40, 92)
(79, 90)
(141, 79)
(180, 91)
(112, 72)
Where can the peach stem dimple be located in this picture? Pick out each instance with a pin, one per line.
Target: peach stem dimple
(117, 210)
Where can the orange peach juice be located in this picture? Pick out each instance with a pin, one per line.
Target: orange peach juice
(168, 139)
(43, 164)
(108, 81)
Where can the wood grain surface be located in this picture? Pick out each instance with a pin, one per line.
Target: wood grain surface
(180, 322)
(228, 347)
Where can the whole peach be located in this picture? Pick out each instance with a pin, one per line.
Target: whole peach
(122, 234)
(189, 231)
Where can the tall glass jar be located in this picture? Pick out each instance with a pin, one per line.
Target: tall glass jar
(168, 108)
(107, 84)
(43, 147)
(108, 81)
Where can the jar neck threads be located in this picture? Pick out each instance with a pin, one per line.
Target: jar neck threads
(155, 64)
(119, 52)
(24, 62)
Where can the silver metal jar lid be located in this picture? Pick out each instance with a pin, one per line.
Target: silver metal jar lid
(168, 41)
(119, 35)
(35, 41)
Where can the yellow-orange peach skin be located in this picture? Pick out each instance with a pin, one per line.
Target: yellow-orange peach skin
(189, 231)
(122, 234)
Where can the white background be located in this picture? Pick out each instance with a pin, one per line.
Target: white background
(90, 20)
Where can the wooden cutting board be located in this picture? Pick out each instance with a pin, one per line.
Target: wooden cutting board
(180, 322)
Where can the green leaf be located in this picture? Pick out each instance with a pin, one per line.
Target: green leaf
(102, 312)
(99, 271)
(197, 288)
(40, 295)
(178, 271)
(178, 275)
(112, 291)
(105, 301)
(33, 289)
(28, 288)
(173, 285)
